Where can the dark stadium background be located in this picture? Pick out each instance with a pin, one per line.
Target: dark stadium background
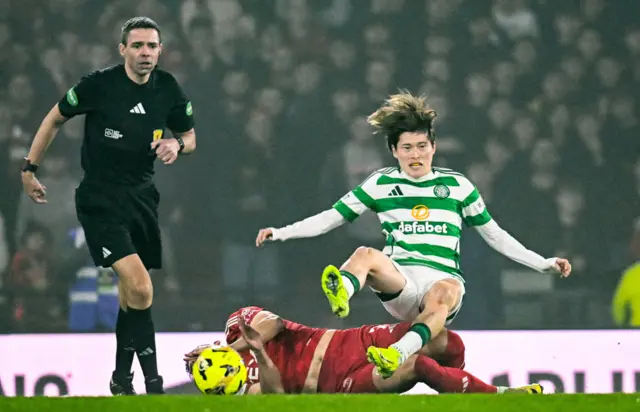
(536, 102)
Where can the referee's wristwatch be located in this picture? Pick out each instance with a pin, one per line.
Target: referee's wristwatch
(27, 166)
(180, 142)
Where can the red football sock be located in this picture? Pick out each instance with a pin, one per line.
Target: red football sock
(449, 380)
(453, 357)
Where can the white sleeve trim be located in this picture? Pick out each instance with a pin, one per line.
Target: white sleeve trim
(504, 243)
(310, 227)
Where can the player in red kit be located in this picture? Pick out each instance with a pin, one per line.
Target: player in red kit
(288, 357)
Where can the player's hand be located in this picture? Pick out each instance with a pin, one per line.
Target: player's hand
(250, 336)
(192, 356)
(33, 188)
(166, 150)
(563, 267)
(263, 236)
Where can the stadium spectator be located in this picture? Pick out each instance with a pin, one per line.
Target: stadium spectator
(531, 95)
(36, 294)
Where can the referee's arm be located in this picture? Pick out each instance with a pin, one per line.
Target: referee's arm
(43, 138)
(80, 99)
(181, 120)
(189, 139)
(46, 133)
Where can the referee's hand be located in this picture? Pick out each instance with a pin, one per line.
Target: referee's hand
(166, 150)
(33, 188)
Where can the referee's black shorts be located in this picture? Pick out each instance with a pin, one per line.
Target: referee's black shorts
(120, 221)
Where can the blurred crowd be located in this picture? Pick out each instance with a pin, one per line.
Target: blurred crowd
(536, 104)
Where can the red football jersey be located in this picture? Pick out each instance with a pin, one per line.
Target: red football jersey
(291, 350)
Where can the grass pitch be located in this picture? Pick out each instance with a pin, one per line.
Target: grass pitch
(333, 403)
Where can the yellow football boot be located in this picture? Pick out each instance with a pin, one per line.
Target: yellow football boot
(334, 290)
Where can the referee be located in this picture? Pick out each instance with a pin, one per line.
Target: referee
(127, 108)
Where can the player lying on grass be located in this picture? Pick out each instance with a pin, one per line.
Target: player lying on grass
(282, 356)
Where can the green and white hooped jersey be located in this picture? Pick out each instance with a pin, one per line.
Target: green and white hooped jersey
(420, 218)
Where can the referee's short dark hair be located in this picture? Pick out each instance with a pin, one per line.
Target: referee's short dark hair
(138, 23)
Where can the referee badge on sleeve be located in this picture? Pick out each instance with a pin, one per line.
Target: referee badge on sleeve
(189, 110)
(72, 98)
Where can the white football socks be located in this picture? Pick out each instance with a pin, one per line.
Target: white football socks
(409, 344)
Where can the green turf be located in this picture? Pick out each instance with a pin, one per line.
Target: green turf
(333, 403)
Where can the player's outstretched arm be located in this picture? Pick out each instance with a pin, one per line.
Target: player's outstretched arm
(347, 209)
(310, 227)
(504, 243)
(475, 214)
(44, 136)
(269, 375)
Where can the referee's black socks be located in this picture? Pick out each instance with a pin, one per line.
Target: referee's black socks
(125, 349)
(144, 340)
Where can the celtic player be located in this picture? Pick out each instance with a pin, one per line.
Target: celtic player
(421, 209)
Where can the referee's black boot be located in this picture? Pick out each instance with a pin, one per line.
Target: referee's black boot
(120, 385)
(154, 385)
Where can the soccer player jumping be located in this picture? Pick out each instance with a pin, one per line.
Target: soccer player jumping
(421, 210)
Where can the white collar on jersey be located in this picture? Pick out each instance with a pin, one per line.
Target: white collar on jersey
(428, 176)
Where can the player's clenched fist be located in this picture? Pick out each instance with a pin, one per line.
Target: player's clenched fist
(263, 236)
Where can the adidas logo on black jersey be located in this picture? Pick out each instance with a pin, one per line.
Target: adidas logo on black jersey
(396, 192)
(138, 109)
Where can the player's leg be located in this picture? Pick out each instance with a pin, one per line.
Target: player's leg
(422, 369)
(419, 369)
(365, 266)
(447, 348)
(437, 304)
(441, 300)
(440, 304)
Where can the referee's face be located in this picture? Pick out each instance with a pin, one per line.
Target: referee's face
(141, 51)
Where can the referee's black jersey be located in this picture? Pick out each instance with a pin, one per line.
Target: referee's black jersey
(122, 119)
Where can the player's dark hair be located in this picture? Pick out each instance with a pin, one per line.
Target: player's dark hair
(401, 113)
(138, 23)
